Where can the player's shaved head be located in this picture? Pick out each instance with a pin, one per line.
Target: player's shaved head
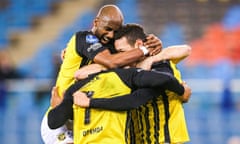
(110, 13)
(108, 20)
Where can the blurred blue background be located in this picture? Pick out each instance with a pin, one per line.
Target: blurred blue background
(33, 33)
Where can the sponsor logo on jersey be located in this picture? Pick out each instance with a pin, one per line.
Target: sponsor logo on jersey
(91, 39)
(92, 131)
(94, 47)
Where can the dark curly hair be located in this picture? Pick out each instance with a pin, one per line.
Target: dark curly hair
(132, 32)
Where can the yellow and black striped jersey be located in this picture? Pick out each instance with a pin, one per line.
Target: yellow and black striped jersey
(105, 126)
(162, 119)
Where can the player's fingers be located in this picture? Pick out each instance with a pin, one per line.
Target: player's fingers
(76, 98)
(54, 90)
(183, 82)
(63, 53)
(150, 39)
(75, 93)
(155, 51)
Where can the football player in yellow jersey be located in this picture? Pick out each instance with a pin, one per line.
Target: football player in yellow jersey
(162, 119)
(96, 46)
(102, 126)
(131, 104)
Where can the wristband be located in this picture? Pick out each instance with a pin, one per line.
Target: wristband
(144, 50)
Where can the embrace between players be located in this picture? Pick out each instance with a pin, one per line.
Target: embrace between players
(133, 96)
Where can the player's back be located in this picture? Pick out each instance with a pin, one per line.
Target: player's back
(103, 126)
(162, 119)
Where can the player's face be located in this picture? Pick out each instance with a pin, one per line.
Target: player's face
(105, 29)
(122, 45)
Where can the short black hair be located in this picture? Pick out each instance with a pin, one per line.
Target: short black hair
(132, 32)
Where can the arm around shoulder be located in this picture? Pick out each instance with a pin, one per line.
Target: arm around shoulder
(83, 72)
(119, 59)
(176, 53)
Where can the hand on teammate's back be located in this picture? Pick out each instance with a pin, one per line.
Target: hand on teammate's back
(187, 93)
(81, 99)
(63, 53)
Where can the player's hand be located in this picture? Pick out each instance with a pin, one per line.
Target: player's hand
(187, 93)
(80, 74)
(63, 53)
(81, 99)
(55, 98)
(154, 44)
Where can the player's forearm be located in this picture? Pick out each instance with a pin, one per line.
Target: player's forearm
(58, 116)
(119, 59)
(174, 86)
(174, 53)
(83, 72)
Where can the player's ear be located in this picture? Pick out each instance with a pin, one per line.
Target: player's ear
(138, 43)
(95, 22)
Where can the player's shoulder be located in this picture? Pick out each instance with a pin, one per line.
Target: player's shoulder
(87, 37)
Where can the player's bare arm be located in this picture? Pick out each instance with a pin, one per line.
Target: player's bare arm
(154, 46)
(174, 53)
(83, 72)
(118, 60)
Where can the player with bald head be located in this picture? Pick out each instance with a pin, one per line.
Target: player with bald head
(93, 46)
(110, 16)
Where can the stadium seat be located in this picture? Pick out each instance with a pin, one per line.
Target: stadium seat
(130, 11)
(4, 31)
(172, 35)
(231, 19)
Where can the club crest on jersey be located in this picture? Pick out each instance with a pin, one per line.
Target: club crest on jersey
(91, 39)
(61, 137)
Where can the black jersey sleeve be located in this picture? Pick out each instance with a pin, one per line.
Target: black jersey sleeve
(59, 115)
(150, 84)
(154, 83)
(138, 78)
(125, 102)
(88, 45)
